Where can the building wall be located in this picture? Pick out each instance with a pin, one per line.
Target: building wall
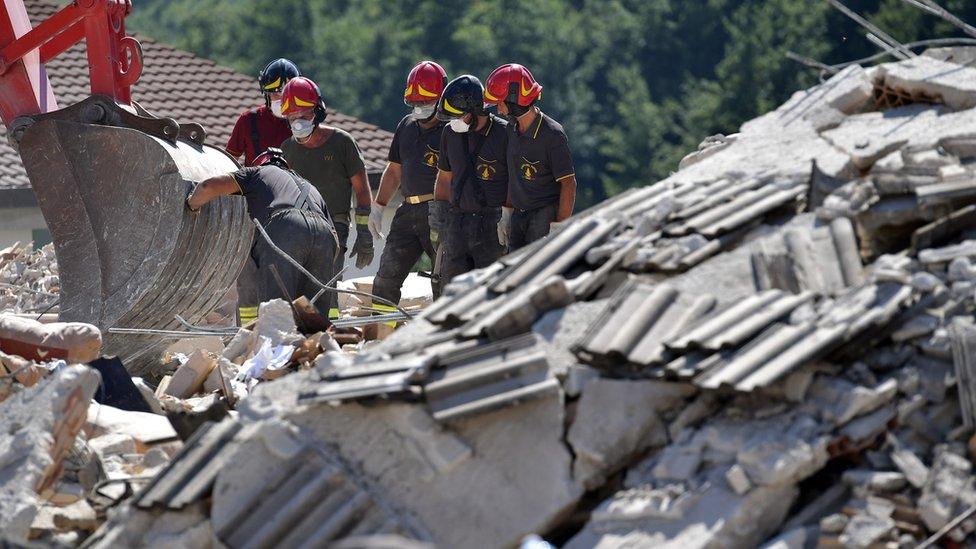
(22, 224)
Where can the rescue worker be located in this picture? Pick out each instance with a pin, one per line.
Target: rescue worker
(472, 179)
(412, 166)
(330, 159)
(255, 131)
(542, 188)
(263, 127)
(295, 217)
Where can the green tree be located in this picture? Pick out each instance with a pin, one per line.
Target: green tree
(636, 83)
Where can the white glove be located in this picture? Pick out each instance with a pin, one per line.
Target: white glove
(375, 222)
(504, 225)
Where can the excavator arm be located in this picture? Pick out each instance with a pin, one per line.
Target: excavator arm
(110, 179)
(114, 59)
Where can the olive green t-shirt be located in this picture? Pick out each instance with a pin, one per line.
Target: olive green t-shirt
(328, 167)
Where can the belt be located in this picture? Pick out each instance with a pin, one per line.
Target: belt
(487, 210)
(418, 199)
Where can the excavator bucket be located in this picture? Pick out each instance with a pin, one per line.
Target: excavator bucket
(130, 254)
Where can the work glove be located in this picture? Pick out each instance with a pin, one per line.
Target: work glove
(362, 250)
(435, 219)
(376, 220)
(504, 226)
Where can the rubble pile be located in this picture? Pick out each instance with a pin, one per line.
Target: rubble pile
(111, 433)
(28, 279)
(775, 346)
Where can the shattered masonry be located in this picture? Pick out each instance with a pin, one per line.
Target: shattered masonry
(774, 346)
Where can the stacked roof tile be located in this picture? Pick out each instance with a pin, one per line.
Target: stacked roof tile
(179, 85)
(712, 351)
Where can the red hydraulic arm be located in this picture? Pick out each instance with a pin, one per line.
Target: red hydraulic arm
(114, 59)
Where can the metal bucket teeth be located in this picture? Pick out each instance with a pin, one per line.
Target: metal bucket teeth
(129, 252)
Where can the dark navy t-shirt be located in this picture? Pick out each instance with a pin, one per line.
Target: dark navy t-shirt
(537, 161)
(270, 188)
(417, 151)
(490, 171)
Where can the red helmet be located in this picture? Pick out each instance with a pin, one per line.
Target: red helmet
(425, 83)
(512, 83)
(300, 94)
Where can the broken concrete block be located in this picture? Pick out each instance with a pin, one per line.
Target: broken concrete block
(704, 405)
(160, 391)
(66, 493)
(239, 345)
(77, 516)
(154, 458)
(738, 480)
(925, 77)
(847, 91)
(219, 379)
(708, 147)
(41, 424)
(833, 524)
(916, 327)
(678, 462)
(914, 469)
(577, 375)
(949, 489)
(710, 516)
(277, 323)
(797, 538)
(775, 456)
(966, 248)
(514, 450)
(190, 345)
(840, 401)
(616, 419)
(113, 443)
(878, 481)
(189, 378)
(869, 426)
(74, 342)
(148, 395)
(863, 531)
(146, 428)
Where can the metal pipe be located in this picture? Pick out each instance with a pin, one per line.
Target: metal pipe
(934, 9)
(871, 27)
(912, 45)
(165, 333)
(883, 45)
(953, 524)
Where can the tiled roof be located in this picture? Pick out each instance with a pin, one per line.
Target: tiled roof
(182, 86)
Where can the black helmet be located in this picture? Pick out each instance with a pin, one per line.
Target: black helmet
(273, 156)
(274, 77)
(463, 95)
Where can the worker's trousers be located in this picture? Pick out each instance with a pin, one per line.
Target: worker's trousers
(247, 290)
(530, 225)
(471, 241)
(309, 239)
(408, 239)
(340, 222)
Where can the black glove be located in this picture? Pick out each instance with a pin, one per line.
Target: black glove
(436, 216)
(362, 250)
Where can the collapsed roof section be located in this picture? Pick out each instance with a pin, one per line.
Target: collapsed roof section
(720, 336)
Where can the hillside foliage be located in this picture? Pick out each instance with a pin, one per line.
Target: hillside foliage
(636, 83)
